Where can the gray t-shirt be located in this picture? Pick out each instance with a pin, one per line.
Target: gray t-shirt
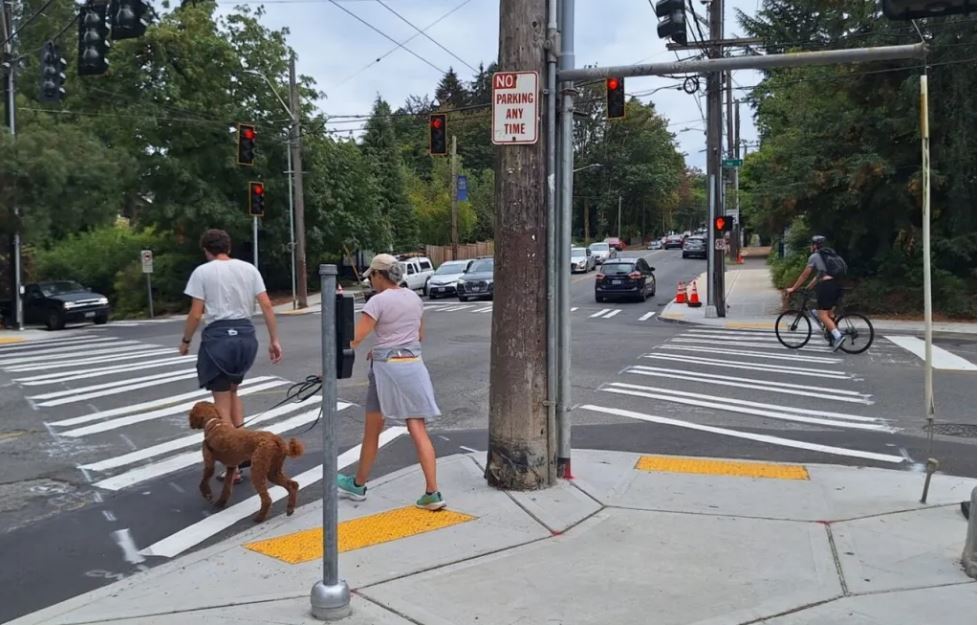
(398, 314)
(816, 262)
(228, 288)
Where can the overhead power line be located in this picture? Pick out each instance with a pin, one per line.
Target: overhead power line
(426, 35)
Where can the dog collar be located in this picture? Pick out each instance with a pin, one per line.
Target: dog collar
(207, 424)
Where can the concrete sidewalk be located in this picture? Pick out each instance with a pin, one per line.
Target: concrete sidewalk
(632, 540)
(754, 303)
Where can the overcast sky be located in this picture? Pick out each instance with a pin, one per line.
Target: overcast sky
(335, 49)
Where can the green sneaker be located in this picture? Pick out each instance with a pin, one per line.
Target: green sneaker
(434, 501)
(346, 485)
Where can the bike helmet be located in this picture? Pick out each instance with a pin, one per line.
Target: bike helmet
(818, 240)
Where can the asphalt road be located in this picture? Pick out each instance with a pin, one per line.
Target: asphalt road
(96, 469)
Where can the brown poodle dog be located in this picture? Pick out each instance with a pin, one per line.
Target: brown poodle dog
(231, 446)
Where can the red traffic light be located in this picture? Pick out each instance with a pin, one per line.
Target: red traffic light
(723, 224)
(258, 189)
(248, 133)
(436, 122)
(613, 84)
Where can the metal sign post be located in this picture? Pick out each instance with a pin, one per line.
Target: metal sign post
(330, 597)
(146, 256)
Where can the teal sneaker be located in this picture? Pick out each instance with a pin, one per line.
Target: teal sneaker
(346, 485)
(434, 501)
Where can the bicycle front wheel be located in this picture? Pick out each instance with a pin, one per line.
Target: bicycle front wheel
(857, 331)
(793, 329)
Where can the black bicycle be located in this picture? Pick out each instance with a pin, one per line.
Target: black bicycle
(794, 327)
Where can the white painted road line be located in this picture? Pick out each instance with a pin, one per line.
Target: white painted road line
(646, 316)
(738, 332)
(940, 357)
(48, 355)
(117, 383)
(88, 372)
(737, 352)
(820, 392)
(177, 543)
(822, 417)
(612, 313)
(600, 312)
(575, 308)
(29, 346)
(483, 310)
(761, 438)
(92, 361)
(71, 399)
(751, 366)
(114, 424)
(753, 344)
(181, 461)
(194, 439)
(146, 405)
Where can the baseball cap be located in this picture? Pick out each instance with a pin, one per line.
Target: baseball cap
(381, 262)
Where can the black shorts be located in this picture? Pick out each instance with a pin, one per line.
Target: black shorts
(223, 383)
(828, 293)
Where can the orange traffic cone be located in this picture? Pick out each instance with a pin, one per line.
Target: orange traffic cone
(680, 293)
(694, 298)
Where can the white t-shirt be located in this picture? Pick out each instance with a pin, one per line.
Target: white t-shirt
(228, 288)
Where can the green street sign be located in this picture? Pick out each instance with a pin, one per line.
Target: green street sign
(732, 163)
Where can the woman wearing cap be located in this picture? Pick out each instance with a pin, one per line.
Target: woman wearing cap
(400, 387)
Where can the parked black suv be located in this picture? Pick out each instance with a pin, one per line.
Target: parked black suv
(58, 302)
(476, 282)
(624, 277)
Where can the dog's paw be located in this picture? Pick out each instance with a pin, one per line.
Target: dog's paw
(258, 518)
(220, 503)
(289, 511)
(207, 496)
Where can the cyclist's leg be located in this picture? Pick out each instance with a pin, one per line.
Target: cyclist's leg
(827, 294)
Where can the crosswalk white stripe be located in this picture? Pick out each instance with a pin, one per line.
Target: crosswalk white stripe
(183, 460)
(646, 316)
(940, 357)
(738, 331)
(87, 372)
(574, 308)
(194, 439)
(91, 361)
(821, 392)
(114, 424)
(154, 403)
(116, 383)
(752, 366)
(753, 344)
(72, 399)
(600, 313)
(29, 346)
(738, 352)
(483, 310)
(177, 543)
(762, 438)
(45, 355)
(612, 313)
(764, 338)
(825, 417)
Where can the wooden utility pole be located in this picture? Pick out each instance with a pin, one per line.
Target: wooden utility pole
(454, 199)
(519, 455)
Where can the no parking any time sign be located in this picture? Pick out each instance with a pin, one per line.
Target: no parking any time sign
(515, 108)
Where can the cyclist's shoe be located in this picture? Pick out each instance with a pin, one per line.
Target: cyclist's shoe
(837, 343)
(347, 486)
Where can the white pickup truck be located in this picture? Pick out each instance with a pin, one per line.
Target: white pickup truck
(417, 271)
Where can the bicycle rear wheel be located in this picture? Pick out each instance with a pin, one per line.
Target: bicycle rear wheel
(793, 329)
(858, 332)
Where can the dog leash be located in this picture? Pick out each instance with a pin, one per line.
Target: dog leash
(298, 393)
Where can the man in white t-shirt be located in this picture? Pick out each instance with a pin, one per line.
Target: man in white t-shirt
(224, 291)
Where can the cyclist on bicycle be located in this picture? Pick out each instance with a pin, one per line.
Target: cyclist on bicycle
(828, 291)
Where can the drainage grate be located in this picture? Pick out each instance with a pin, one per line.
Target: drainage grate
(964, 430)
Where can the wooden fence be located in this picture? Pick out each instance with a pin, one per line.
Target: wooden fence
(440, 253)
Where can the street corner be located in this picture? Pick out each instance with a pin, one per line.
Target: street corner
(366, 531)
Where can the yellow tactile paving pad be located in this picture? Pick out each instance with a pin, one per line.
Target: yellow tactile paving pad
(375, 529)
(4, 340)
(676, 464)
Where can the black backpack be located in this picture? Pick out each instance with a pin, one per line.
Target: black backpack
(835, 265)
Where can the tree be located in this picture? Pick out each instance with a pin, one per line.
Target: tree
(383, 154)
(451, 93)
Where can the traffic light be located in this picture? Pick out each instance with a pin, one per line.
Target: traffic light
(723, 224)
(93, 40)
(256, 199)
(246, 144)
(914, 9)
(438, 134)
(345, 327)
(616, 97)
(127, 19)
(52, 73)
(672, 20)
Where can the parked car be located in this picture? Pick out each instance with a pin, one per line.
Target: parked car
(674, 242)
(695, 246)
(476, 282)
(625, 278)
(416, 271)
(616, 243)
(602, 252)
(582, 260)
(58, 302)
(655, 244)
(442, 282)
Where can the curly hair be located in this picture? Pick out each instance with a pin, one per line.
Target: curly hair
(216, 241)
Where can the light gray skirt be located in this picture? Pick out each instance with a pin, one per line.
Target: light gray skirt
(400, 386)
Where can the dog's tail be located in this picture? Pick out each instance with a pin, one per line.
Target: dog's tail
(294, 449)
